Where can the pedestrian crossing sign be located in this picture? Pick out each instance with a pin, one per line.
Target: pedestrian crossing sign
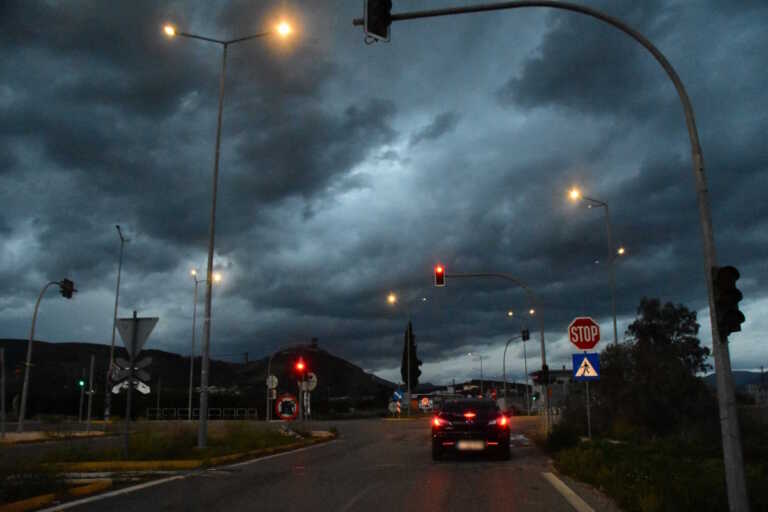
(586, 367)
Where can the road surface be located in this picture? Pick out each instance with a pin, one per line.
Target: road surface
(373, 465)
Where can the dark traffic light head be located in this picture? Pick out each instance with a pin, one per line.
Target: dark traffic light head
(727, 297)
(378, 18)
(67, 288)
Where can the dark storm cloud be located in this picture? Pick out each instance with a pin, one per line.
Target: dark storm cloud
(442, 123)
(347, 171)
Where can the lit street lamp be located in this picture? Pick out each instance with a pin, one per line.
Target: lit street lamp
(281, 30)
(575, 195)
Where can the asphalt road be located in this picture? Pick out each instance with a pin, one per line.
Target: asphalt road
(374, 465)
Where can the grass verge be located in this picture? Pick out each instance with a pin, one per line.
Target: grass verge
(663, 475)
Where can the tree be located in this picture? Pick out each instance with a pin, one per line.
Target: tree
(650, 384)
(415, 362)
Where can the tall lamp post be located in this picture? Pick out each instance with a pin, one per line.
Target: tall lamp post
(216, 278)
(478, 357)
(110, 364)
(575, 195)
(511, 315)
(283, 30)
(392, 300)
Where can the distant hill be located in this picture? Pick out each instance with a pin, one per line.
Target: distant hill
(58, 366)
(740, 379)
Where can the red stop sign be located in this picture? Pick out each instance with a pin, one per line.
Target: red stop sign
(584, 332)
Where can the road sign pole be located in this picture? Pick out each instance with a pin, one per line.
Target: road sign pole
(127, 422)
(589, 419)
(90, 394)
(82, 394)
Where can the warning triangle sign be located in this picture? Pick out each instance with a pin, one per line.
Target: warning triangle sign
(586, 369)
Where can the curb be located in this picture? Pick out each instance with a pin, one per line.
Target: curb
(45, 499)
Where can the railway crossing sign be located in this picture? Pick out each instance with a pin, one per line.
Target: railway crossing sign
(586, 367)
(584, 332)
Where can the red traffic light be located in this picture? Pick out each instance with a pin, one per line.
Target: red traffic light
(300, 366)
(439, 275)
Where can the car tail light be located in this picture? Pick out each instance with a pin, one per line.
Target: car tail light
(469, 415)
(501, 421)
(437, 422)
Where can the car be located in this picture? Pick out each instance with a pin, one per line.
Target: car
(471, 425)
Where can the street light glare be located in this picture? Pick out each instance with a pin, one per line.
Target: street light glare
(284, 29)
(391, 298)
(621, 251)
(216, 277)
(510, 313)
(531, 311)
(193, 272)
(169, 30)
(575, 194)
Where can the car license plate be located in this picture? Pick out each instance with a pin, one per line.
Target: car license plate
(470, 445)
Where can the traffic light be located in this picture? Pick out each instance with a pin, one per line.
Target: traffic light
(525, 334)
(67, 288)
(300, 367)
(378, 18)
(535, 396)
(727, 297)
(81, 383)
(439, 276)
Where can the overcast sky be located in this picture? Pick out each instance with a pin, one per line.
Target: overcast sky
(348, 170)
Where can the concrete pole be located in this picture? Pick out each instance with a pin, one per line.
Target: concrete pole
(28, 363)
(111, 363)
(612, 263)
(192, 352)
(90, 394)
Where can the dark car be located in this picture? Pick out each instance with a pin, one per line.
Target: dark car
(470, 425)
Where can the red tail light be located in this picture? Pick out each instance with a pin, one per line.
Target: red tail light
(469, 415)
(503, 421)
(437, 422)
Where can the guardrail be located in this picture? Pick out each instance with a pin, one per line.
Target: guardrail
(182, 413)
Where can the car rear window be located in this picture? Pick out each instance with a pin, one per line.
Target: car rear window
(462, 406)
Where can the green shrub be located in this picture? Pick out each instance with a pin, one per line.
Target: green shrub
(562, 436)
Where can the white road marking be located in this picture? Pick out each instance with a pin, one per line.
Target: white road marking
(571, 497)
(145, 485)
(98, 497)
(359, 495)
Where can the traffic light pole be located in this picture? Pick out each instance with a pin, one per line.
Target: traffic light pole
(729, 421)
(82, 395)
(90, 394)
(504, 367)
(28, 363)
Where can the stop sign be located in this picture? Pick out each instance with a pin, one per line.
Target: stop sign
(584, 332)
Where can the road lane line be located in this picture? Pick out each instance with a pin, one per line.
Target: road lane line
(574, 499)
(145, 485)
(359, 495)
(127, 490)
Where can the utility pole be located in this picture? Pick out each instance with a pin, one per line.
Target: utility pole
(90, 394)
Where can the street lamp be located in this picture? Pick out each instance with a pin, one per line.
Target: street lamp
(110, 365)
(282, 30)
(511, 314)
(392, 300)
(479, 357)
(576, 195)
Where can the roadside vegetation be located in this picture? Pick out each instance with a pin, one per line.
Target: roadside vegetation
(656, 439)
(178, 442)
